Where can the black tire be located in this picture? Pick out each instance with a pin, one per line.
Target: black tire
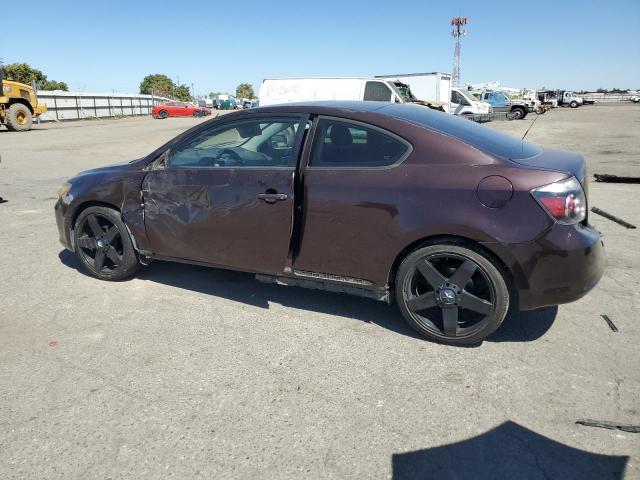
(103, 244)
(573, 104)
(19, 118)
(519, 113)
(163, 114)
(440, 309)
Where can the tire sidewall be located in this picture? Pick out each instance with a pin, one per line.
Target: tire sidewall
(12, 122)
(130, 262)
(496, 277)
(162, 114)
(518, 113)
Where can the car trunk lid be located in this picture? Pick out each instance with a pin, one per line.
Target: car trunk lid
(560, 161)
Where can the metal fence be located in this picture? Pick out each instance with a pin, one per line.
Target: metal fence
(80, 105)
(606, 97)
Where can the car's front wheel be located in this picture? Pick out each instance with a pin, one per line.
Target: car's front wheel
(451, 294)
(103, 244)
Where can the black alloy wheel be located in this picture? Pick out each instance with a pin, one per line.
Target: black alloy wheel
(451, 294)
(103, 244)
(163, 114)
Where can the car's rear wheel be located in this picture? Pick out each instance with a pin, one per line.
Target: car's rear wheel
(103, 244)
(163, 114)
(451, 294)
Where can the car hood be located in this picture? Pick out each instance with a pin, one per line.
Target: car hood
(121, 167)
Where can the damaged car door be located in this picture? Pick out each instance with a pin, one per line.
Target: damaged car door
(224, 195)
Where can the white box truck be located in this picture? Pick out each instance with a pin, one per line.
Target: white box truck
(425, 86)
(436, 86)
(286, 90)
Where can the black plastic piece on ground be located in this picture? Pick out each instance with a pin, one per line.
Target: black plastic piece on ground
(605, 177)
(610, 425)
(2, 200)
(612, 325)
(612, 217)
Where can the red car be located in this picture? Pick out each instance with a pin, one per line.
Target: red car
(178, 109)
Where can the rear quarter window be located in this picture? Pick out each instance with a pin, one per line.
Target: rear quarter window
(345, 144)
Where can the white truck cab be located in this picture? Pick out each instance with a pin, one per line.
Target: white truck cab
(463, 103)
(570, 99)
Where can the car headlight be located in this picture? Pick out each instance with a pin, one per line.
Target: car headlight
(64, 189)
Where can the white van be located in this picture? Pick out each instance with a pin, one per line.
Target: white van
(286, 90)
(463, 103)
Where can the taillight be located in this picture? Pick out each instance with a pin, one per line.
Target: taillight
(565, 201)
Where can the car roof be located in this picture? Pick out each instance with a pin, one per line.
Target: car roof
(481, 137)
(323, 106)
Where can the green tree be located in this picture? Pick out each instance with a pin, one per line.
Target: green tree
(25, 73)
(214, 95)
(157, 84)
(182, 93)
(245, 90)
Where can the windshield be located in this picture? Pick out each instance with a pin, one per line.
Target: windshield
(469, 98)
(403, 91)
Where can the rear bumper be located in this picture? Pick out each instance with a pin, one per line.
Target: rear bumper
(560, 267)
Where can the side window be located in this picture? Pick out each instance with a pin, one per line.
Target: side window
(248, 143)
(457, 97)
(377, 91)
(344, 144)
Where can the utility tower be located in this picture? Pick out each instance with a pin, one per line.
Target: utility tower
(458, 31)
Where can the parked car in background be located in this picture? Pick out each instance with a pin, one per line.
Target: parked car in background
(635, 99)
(449, 219)
(501, 102)
(179, 109)
(249, 103)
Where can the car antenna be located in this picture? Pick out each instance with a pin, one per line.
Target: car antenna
(534, 121)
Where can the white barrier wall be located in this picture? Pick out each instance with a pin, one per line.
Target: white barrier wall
(79, 105)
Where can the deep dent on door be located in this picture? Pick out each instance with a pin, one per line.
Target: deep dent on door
(216, 216)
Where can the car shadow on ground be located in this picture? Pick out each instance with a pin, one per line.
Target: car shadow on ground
(244, 288)
(507, 451)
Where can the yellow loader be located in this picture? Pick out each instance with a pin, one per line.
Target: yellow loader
(18, 105)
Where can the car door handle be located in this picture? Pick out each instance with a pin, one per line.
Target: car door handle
(272, 197)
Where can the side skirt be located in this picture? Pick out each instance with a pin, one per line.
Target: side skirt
(380, 294)
(314, 281)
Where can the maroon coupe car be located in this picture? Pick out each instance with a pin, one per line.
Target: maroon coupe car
(449, 219)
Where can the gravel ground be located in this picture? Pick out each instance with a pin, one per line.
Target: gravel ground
(186, 372)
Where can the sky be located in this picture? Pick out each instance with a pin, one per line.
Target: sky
(105, 46)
